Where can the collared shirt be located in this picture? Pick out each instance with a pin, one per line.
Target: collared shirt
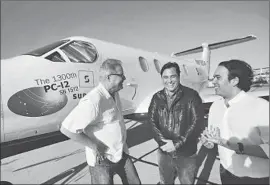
(170, 98)
(100, 114)
(245, 120)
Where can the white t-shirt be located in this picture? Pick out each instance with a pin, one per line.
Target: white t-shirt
(99, 113)
(246, 120)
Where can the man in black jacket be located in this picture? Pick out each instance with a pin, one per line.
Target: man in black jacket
(176, 116)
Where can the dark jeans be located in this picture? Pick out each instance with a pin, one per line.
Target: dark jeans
(103, 172)
(228, 178)
(170, 166)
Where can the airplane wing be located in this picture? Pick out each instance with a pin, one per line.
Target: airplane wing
(208, 95)
(260, 91)
(259, 88)
(216, 45)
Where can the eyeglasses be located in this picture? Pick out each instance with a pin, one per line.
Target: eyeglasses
(120, 75)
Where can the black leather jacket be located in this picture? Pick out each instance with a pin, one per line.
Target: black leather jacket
(182, 123)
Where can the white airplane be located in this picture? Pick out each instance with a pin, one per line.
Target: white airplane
(40, 88)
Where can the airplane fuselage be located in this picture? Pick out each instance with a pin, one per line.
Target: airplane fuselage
(38, 92)
(40, 88)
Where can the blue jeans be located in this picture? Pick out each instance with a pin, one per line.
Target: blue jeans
(172, 166)
(103, 172)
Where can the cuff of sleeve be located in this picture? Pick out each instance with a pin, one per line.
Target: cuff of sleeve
(177, 145)
(180, 142)
(265, 148)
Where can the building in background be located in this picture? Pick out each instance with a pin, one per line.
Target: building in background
(261, 76)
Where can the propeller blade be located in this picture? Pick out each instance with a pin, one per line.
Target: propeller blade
(216, 45)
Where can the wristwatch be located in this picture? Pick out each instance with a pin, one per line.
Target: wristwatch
(240, 148)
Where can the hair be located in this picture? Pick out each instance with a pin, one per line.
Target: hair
(170, 65)
(241, 70)
(109, 66)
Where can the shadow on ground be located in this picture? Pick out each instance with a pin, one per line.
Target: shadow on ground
(139, 134)
(209, 155)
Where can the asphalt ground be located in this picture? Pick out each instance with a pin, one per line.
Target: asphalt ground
(58, 160)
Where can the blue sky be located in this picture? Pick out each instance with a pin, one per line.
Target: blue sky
(158, 26)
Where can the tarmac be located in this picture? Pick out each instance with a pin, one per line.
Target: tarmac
(65, 163)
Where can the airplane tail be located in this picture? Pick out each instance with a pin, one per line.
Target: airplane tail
(206, 51)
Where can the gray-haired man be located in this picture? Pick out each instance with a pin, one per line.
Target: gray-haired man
(98, 124)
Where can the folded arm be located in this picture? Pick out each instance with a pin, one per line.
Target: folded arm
(78, 137)
(260, 130)
(249, 149)
(261, 150)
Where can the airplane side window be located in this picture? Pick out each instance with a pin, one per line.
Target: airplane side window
(185, 69)
(80, 52)
(198, 72)
(157, 65)
(143, 64)
(198, 62)
(55, 57)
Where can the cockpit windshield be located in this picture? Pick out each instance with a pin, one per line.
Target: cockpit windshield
(41, 51)
(80, 52)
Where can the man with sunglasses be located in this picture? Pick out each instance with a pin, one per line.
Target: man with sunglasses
(97, 123)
